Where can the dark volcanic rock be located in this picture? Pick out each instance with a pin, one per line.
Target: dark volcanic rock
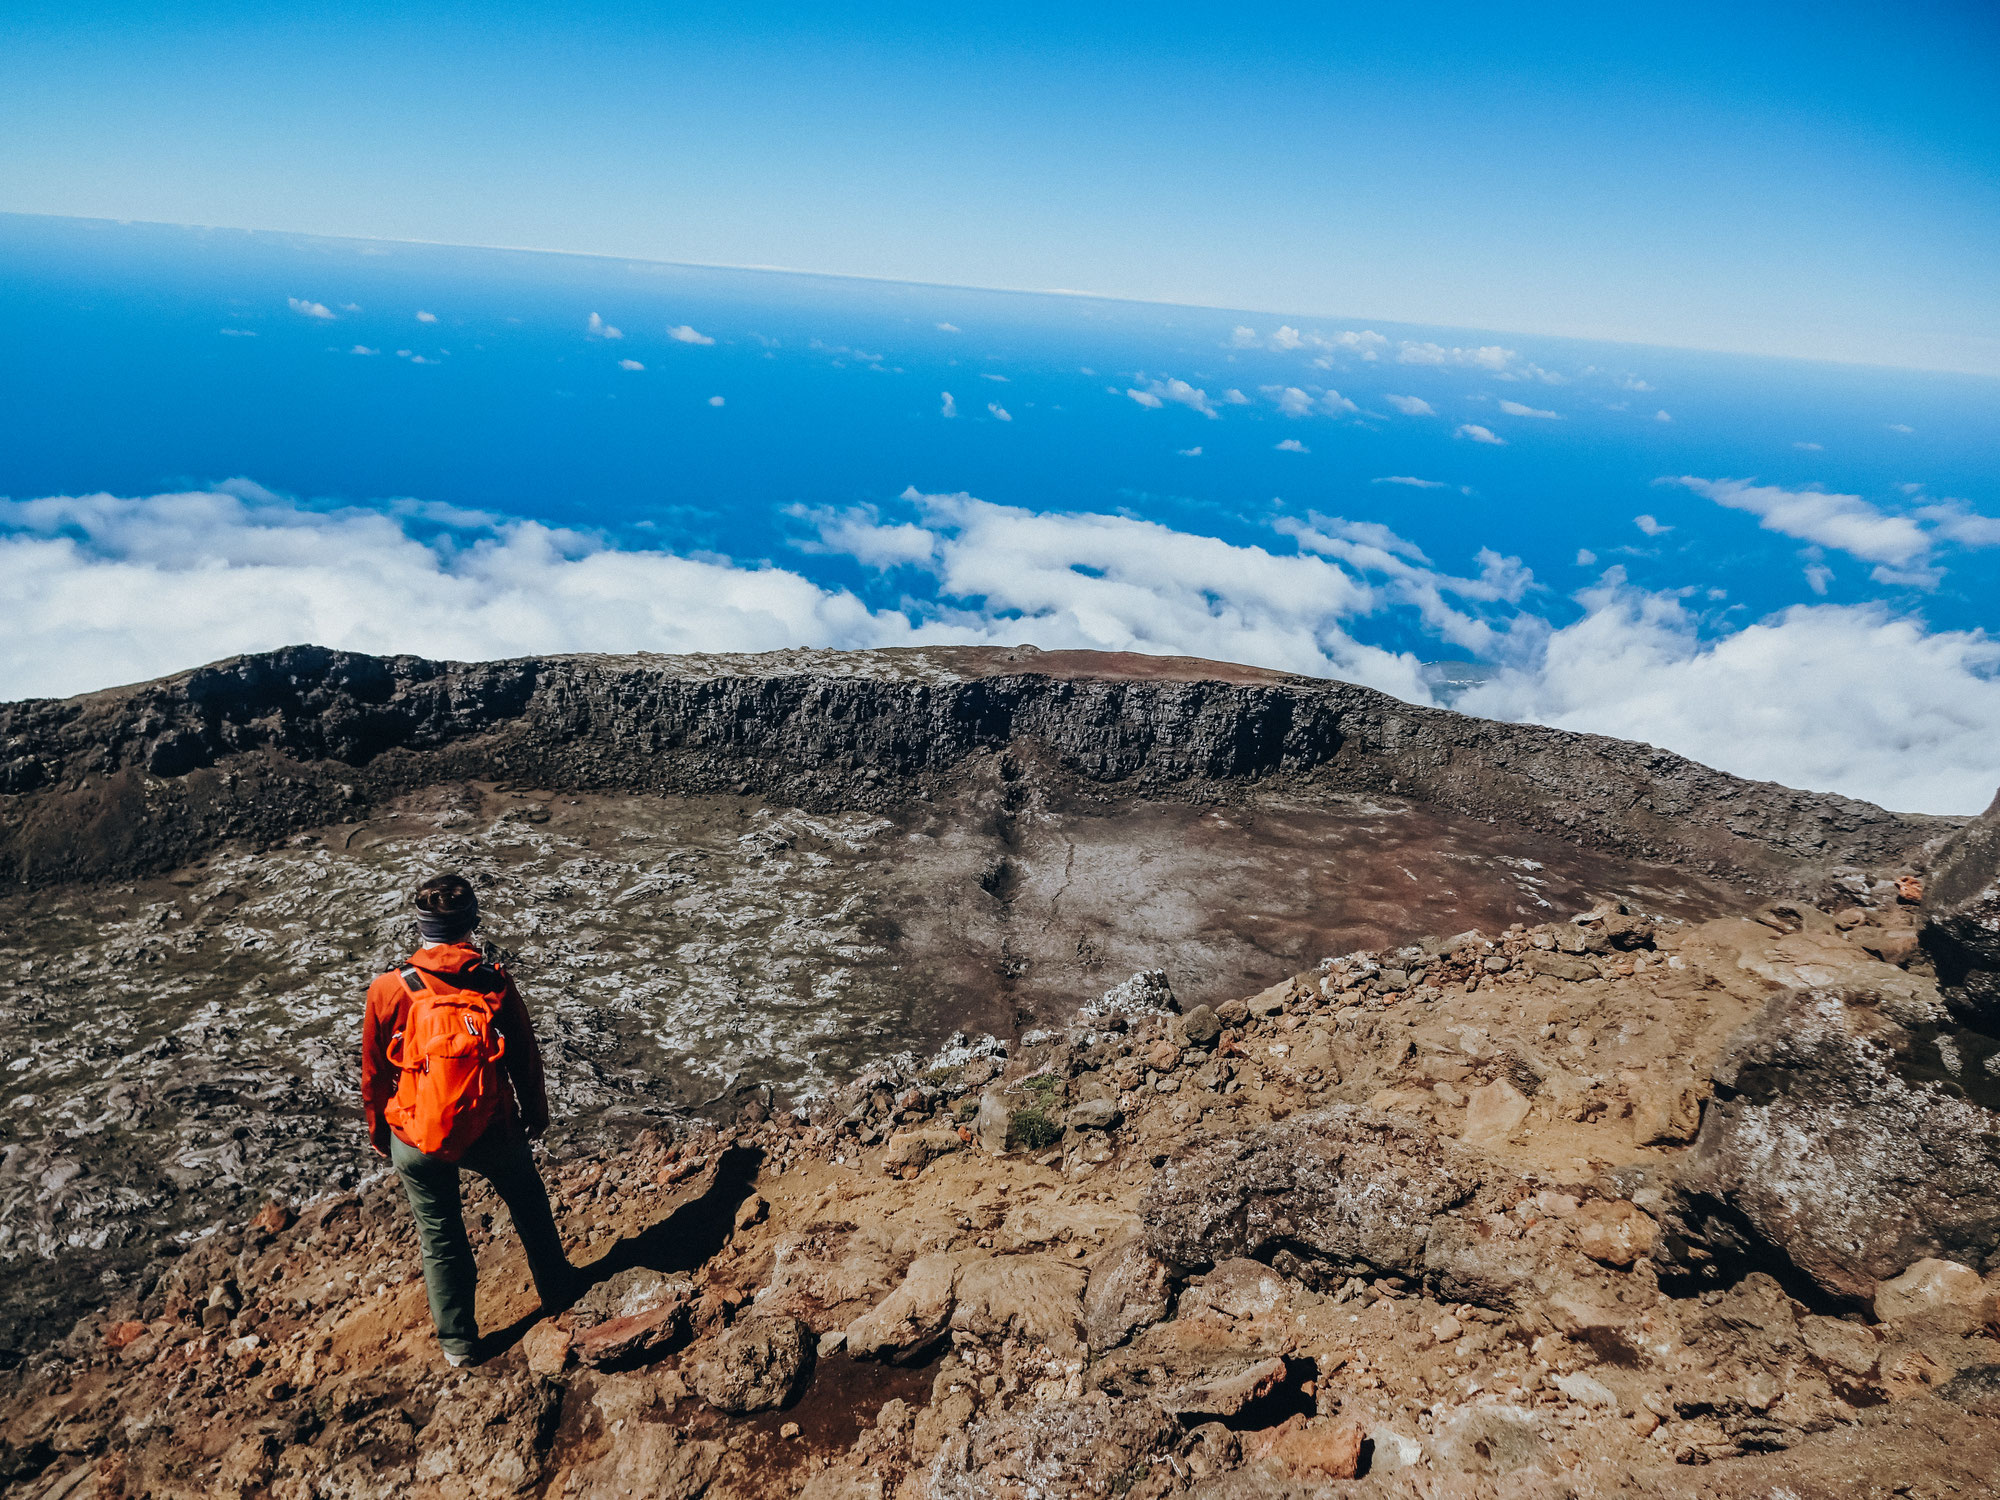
(1816, 1148)
(1962, 921)
(142, 778)
(1355, 1186)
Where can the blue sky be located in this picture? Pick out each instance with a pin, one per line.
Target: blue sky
(1817, 180)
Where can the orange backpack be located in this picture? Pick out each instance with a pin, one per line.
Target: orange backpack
(449, 1051)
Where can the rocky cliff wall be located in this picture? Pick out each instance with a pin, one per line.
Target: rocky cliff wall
(142, 778)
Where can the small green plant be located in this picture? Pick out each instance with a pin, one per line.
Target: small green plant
(1046, 1091)
(1030, 1129)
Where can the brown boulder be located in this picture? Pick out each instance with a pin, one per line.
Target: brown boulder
(651, 1459)
(1224, 1390)
(1027, 1297)
(1614, 1234)
(1356, 1185)
(1558, 965)
(1248, 1299)
(1318, 1444)
(1128, 1290)
(1080, 1450)
(546, 1348)
(911, 1319)
(637, 1314)
(760, 1363)
(910, 1151)
(1931, 1287)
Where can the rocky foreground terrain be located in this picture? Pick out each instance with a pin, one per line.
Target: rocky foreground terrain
(1673, 1169)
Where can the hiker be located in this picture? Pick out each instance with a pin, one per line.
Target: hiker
(451, 1077)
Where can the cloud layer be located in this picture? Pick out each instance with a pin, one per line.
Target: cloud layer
(98, 589)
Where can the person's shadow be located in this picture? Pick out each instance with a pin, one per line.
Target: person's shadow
(684, 1240)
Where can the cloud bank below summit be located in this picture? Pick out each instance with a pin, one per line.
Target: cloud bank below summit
(97, 590)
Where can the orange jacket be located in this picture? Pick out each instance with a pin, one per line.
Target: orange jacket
(388, 1009)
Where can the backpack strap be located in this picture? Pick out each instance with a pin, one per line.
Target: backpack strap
(483, 979)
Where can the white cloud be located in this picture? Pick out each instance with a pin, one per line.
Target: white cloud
(1369, 345)
(238, 333)
(1113, 583)
(1411, 406)
(1292, 445)
(1631, 383)
(861, 534)
(1234, 397)
(686, 335)
(98, 589)
(1650, 526)
(1000, 413)
(305, 309)
(1156, 393)
(1478, 434)
(427, 317)
(630, 364)
(1818, 576)
(1294, 402)
(363, 349)
(1661, 416)
(715, 401)
(1845, 522)
(947, 328)
(1841, 698)
(597, 328)
(1810, 447)
(1951, 520)
(1412, 481)
(1516, 409)
(1194, 452)
(1585, 558)
(1901, 427)
(949, 406)
(987, 376)
(1365, 344)
(1486, 357)
(1408, 579)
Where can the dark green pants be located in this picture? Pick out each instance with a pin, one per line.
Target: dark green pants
(502, 1157)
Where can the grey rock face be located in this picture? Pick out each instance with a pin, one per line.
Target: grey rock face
(1093, 1114)
(1962, 921)
(1202, 1028)
(143, 778)
(760, 1363)
(1815, 1147)
(1357, 1186)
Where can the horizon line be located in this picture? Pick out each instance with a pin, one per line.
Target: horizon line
(1011, 291)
